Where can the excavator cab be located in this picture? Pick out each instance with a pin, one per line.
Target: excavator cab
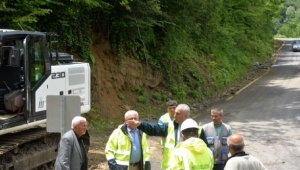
(25, 65)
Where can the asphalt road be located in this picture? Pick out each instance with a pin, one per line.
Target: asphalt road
(267, 113)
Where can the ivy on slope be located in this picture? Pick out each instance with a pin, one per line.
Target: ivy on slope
(201, 46)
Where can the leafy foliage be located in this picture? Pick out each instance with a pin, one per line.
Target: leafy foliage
(287, 24)
(202, 46)
(18, 14)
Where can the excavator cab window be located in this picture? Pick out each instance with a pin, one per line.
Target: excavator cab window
(37, 60)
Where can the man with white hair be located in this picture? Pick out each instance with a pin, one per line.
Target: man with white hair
(192, 153)
(72, 154)
(127, 147)
(239, 159)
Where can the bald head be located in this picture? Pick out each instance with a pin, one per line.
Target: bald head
(236, 138)
(235, 143)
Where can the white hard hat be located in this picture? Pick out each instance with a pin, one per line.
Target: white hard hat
(188, 123)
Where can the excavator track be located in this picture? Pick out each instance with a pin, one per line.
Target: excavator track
(30, 149)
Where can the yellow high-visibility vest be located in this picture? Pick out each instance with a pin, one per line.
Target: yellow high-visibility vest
(118, 147)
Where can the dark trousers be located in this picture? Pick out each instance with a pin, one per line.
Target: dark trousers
(218, 166)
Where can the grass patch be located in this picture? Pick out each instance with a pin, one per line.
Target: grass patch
(98, 124)
(149, 113)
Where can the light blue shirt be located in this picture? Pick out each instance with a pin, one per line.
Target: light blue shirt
(136, 151)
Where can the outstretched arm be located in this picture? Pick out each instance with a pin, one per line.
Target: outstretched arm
(151, 129)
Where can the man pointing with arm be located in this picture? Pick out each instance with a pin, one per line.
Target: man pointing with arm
(170, 130)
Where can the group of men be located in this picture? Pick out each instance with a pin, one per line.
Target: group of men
(186, 145)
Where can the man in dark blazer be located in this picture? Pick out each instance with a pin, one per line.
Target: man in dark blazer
(71, 152)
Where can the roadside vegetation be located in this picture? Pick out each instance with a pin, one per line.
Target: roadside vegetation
(200, 46)
(288, 25)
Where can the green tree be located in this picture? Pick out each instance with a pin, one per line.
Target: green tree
(19, 14)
